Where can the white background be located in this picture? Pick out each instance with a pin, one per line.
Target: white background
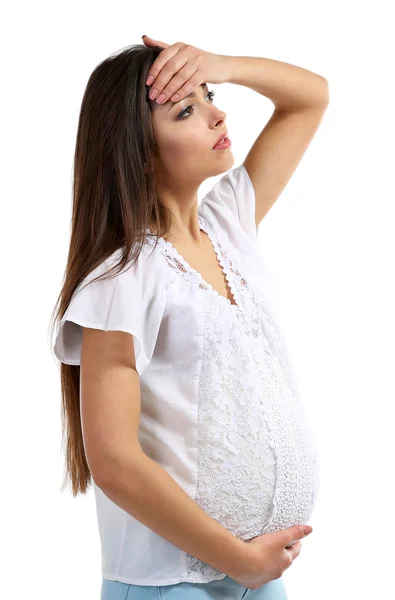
(329, 240)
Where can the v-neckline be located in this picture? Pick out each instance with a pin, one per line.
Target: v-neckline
(212, 237)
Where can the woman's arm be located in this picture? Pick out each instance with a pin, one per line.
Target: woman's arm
(289, 87)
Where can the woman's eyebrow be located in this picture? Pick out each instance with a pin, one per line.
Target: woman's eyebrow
(191, 95)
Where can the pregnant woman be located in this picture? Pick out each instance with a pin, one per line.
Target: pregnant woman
(179, 396)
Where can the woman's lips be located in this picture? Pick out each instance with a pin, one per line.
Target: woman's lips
(225, 144)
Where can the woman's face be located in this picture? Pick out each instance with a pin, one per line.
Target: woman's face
(186, 132)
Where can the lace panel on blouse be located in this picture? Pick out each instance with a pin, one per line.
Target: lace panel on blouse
(236, 283)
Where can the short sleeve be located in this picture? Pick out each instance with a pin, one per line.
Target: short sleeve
(132, 301)
(230, 204)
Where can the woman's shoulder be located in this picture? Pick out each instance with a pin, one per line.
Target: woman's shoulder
(131, 299)
(229, 208)
(144, 266)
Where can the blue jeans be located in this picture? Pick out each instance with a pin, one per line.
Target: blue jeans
(219, 589)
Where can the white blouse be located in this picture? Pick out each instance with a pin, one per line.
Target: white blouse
(220, 406)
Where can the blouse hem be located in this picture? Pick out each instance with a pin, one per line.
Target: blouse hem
(148, 582)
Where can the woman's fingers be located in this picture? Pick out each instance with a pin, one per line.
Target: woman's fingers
(169, 55)
(187, 78)
(294, 550)
(151, 42)
(181, 68)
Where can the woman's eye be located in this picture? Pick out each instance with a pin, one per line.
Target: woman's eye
(210, 95)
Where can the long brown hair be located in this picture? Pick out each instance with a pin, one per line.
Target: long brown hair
(114, 201)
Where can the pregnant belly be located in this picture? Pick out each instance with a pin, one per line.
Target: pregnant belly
(258, 468)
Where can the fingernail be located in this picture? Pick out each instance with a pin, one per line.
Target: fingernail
(149, 80)
(161, 98)
(144, 35)
(307, 530)
(153, 93)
